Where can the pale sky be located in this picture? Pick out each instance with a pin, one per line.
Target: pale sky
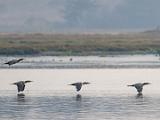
(78, 15)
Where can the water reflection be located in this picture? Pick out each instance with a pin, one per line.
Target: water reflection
(139, 95)
(21, 94)
(21, 97)
(78, 97)
(91, 107)
(107, 98)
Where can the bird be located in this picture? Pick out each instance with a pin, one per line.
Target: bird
(139, 86)
(78, 85)
(21, 85)
(71, 59)
(14, 61)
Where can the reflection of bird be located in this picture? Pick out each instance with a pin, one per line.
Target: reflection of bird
(13, 61)
(78, 97)
(21, 97)
(21, 85)
(139, 95)
(78, 85)
(139, 86)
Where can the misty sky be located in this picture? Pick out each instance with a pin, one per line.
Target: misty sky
(78, 15)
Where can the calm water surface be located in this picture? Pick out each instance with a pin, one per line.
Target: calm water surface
(118, 61)
(108, 97)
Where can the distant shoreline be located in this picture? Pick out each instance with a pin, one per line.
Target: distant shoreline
(80, 44)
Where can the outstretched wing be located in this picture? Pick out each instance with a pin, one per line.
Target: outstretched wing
(131, 85)
(146, 83)
(74, 84)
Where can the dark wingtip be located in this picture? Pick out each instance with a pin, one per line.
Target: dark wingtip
(86, 83)
(146, 83)
(27, 81)
(72, 84)
(13, 84)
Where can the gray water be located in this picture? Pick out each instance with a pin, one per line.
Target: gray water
(63, 106)
(118, 61)
(107, 97)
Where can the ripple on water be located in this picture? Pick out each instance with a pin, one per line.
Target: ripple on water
(85, 107)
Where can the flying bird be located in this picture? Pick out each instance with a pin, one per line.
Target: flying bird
(21, 85)
(13, 61)
(78, 85)
(139, 86)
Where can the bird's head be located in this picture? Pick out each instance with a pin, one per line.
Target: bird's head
(146, 83)
(27, 81)
(85, 83)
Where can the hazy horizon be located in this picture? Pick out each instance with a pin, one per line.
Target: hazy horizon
(78, 15)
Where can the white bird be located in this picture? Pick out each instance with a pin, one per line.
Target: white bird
(21, 85)
(13, 61)
(139, 86)
(78, 85)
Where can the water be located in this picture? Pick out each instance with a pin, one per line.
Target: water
(120, 61)
(107, 97)
(68, 107)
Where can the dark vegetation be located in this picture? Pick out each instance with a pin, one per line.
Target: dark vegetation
(79, 44)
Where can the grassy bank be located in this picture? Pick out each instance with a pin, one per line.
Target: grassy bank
(78, 44)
